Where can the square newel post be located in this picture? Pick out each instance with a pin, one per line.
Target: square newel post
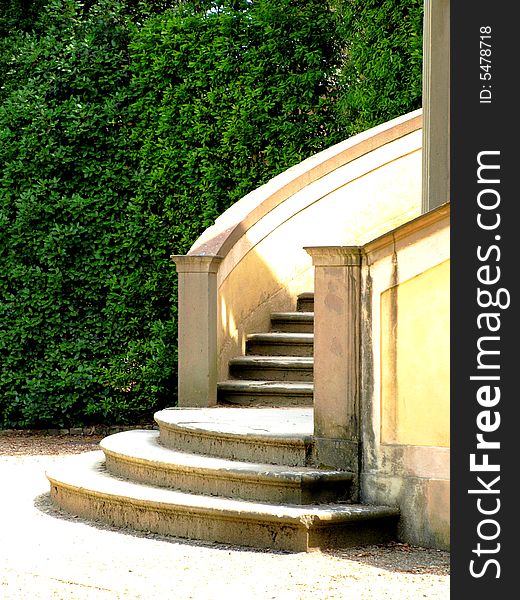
(197, 325)
(436, 104)
(337, 297)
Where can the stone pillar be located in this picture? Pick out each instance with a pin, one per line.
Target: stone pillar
(197, 326)
(436, 104)
(337, 297)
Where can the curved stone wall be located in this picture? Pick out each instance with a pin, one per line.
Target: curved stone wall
(345, 195)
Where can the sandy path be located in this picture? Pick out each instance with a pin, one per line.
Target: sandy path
(45, 553)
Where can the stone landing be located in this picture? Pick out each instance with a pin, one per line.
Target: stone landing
(229, 475)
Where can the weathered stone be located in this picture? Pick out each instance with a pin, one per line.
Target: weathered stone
(84, 488)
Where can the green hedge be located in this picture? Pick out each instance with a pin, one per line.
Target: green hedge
(85, 318)
(226, 100)
(382, 71)
(125, 129)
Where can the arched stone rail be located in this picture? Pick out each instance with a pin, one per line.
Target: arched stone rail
(252, 262)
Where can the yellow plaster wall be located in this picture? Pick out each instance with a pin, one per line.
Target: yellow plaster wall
(415, 360)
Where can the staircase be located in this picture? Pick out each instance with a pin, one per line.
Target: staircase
(231, 474)
(277, 368)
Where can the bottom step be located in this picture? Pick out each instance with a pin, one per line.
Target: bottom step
(82, 486)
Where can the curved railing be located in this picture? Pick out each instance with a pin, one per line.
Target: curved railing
(252, 262)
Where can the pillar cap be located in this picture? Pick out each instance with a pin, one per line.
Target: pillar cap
(196, 263)
(335, 256)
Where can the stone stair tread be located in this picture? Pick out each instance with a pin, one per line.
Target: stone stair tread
(282, 362)
(282, 423)
(281, 336)
(242, 475)
(86, 474)
(257, 386)
(305, 302)
(262, 435)
(143, 446)
(280, 343)
(293, 316)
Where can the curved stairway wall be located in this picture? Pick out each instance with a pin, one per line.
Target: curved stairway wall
(375, 344)
(345, 195)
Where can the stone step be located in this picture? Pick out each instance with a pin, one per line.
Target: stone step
(138, 456)
(279, 436)
(272, 368)
(81, 486)
(305, 302)
(265, 393)
(280, 344)
(292, 322)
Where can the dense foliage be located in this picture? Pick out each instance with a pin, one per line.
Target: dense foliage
(225, 100)
(381, 74)
(126, 128)
(82, 328)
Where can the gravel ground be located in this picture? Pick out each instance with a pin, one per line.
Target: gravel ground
(46, 553)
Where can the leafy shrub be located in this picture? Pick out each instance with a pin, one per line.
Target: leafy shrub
(225, 100)
(125, 129)
(381, 77)
(86, 327)
(19, 15)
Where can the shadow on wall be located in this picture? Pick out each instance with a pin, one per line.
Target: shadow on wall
(405, 395)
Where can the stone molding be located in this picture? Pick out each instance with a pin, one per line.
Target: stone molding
(337, 313)
(195, 263)
(433, 218)
(244, 214)
(197, 318)
(335, 256)
(436, 104)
